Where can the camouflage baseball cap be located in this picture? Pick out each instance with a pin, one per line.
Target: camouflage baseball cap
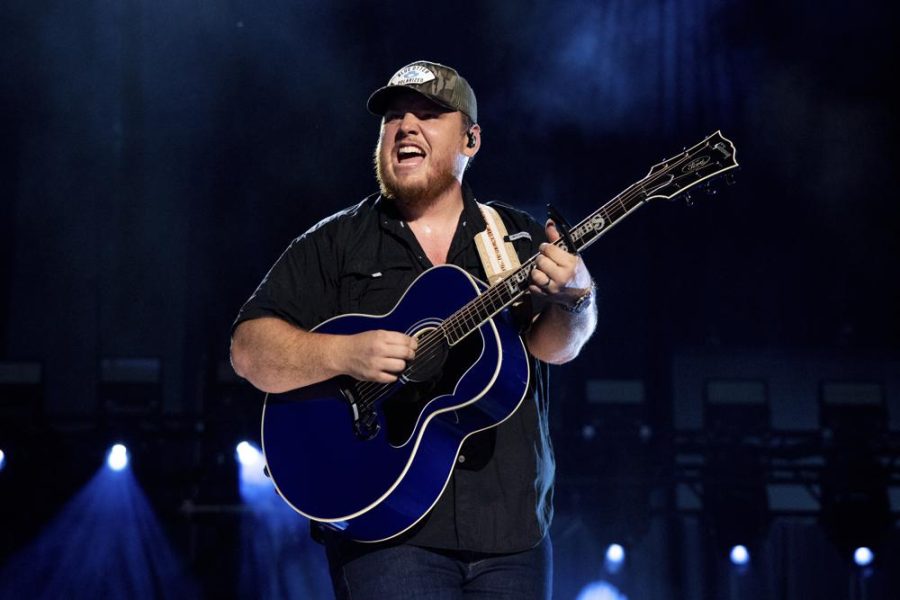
(438, 83)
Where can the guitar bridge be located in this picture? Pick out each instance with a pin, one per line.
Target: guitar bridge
(365, 419)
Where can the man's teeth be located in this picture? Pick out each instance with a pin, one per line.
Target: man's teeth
(409, 152)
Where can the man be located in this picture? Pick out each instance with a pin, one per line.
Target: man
(488, 532)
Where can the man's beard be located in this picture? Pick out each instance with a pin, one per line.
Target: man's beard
(419, 193)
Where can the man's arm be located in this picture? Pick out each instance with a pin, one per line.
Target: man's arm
(276, 356)
(559, 280)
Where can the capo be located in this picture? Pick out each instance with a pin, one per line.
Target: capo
(563, 227)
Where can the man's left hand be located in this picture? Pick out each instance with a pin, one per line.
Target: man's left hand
(559, 277)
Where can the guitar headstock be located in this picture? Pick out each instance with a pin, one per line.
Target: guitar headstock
(711, 157)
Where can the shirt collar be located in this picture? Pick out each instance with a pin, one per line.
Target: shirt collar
(473, 220)
(471, 224)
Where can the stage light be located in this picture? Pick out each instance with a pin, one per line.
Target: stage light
(736, 415)
(247, 455)
(863, 556)
(615, 554)
(856, 506)
(2, 459)
(614, 446)
(615, 408)
(600, 590)
(739, 555)
(272, 533)
(106, 541)
(252, 477)
(615, 558)
(130, 388)
(117, 459)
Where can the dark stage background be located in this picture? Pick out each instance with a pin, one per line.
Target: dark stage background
(743, 383)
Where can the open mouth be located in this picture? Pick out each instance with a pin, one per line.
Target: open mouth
(409, 154)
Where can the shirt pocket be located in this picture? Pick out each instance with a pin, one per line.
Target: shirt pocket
(373, 290)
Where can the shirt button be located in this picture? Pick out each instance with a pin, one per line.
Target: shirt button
(461, 458)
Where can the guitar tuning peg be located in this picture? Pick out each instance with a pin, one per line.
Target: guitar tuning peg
(710, 190)
(730, 179)
(688, 199)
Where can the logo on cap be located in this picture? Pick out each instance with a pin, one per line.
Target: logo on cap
(412, 75)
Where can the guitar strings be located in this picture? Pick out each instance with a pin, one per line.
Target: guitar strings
(430, 343)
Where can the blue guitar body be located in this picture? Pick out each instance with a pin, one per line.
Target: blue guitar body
(372, 460)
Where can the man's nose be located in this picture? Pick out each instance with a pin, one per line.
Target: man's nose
(409, 122)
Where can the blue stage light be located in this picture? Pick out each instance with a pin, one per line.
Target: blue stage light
(253, 480)
(2, 459)
(600, 590)
(615, 554)
(739, 556)
(117, 459)
(272, 533)
(247, 455)
(863, 556)
(614, 559)
(106, 541)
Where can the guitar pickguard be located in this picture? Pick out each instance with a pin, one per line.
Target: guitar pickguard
(403, 409)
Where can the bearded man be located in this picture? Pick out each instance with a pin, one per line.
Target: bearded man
(487, 534)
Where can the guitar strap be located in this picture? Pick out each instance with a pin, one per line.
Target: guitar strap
(497, 253)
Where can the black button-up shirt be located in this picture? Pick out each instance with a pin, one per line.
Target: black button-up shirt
(362, 260)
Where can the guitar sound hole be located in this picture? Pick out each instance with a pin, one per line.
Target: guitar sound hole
(401, 411)
(430, 359)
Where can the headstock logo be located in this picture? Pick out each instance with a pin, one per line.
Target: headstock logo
(697, 163)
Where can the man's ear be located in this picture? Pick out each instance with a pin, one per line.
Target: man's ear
(473, 141)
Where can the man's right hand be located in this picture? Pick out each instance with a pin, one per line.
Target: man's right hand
(374, 355)
(276, 356)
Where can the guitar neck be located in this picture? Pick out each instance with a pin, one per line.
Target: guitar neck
(711, 157)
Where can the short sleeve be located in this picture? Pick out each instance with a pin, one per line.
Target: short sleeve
(300, 287)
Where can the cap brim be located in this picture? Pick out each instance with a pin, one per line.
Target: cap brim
(380, 98)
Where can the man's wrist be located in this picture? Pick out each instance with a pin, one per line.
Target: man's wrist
(581, 302)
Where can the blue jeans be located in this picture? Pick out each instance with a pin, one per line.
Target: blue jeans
(410, 572)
